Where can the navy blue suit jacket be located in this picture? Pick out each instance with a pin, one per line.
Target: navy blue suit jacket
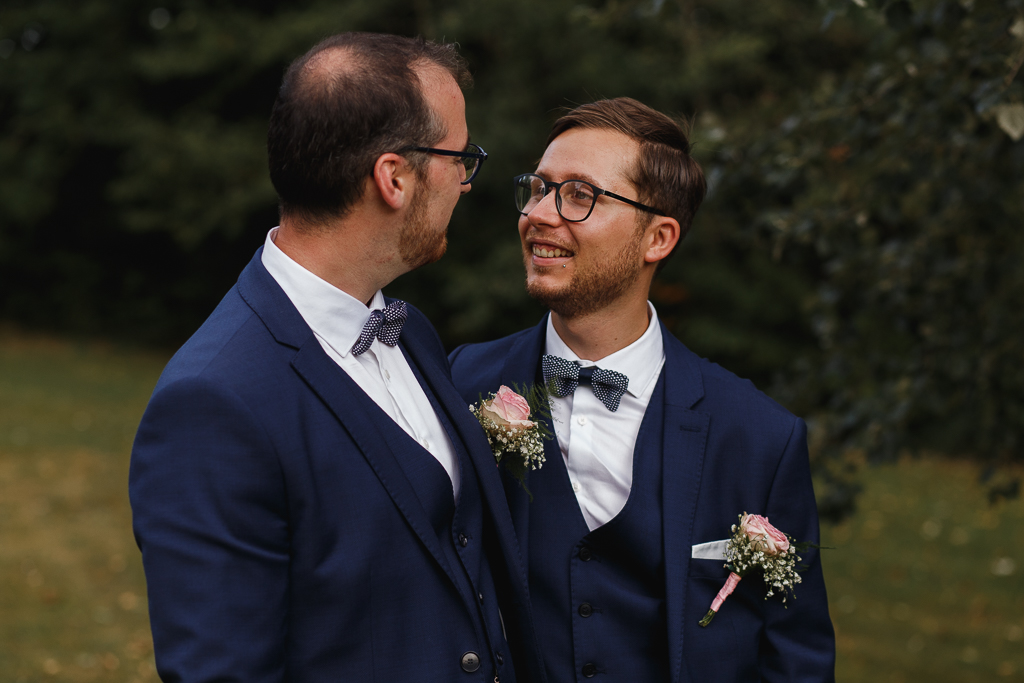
(728, 449)
(281, 539)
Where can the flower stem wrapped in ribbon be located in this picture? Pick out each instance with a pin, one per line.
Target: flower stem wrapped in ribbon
(757, 544)
(515, 439)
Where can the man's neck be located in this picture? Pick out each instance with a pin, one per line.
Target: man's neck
(355, 259)
(601, 333)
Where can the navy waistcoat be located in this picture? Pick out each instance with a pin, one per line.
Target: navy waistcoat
(460, 530)
(599, 596)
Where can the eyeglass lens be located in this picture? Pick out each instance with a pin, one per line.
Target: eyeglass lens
(470, 162)
(574, 201)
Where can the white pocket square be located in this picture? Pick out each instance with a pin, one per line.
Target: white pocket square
(712, 550)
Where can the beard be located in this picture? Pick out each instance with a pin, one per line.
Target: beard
(420, 242)
(593, 285)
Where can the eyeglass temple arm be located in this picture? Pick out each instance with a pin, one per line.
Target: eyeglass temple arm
(449, 153)
(638, 205)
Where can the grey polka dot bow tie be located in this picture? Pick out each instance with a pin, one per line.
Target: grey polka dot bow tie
(564, 376)
(385, 325)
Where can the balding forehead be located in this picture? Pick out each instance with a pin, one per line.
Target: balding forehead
(431, 74)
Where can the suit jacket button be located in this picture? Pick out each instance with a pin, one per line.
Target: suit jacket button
(589, 670)
(470, 662)
(586, 554)
(463, 541)
(585, 610)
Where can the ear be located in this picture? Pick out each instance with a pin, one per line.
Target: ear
(392, 178)
(662, 237)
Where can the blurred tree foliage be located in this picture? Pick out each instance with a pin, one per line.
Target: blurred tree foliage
(855, 256)
(132, 167)
(900, 186)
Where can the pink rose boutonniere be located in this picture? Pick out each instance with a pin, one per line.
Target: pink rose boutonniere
(757, 544)
(515, 439)
(508, 409)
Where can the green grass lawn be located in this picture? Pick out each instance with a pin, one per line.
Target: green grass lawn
(926, 582)
(72, 592)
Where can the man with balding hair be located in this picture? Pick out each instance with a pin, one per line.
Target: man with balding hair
(312, 499)
(657, 451)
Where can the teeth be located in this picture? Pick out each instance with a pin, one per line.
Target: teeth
(549, 253)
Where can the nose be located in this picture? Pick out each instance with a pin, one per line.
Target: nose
(545, 212)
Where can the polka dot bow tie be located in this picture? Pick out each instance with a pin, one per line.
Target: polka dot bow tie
(564, 376)
(385, 325)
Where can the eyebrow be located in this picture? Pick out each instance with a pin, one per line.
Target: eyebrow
(575, 176)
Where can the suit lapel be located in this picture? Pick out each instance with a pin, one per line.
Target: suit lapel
(522, 369)
(437, 385)
(468, 436)
(685, 438)
(370, 429)
(372, 436)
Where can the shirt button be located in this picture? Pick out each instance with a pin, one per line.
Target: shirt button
(589, 670)
(585, 610)
(463, 541)
(576, 486)
(582, 419)
(470, 662)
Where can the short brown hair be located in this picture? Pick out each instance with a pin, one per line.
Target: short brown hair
(665, 176)
(351, 98)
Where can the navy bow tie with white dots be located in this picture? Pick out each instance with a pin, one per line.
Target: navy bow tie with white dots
(384, 324)
(564, 376)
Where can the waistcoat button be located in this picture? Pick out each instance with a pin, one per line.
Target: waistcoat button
(589, 670)
(585, 554)
(463, 541)
(471, 662)
(585, 610)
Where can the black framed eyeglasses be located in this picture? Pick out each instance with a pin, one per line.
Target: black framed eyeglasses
(574, 199)
(473, 157)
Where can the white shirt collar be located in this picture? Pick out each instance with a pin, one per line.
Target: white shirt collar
(335, 316)
(641, 361)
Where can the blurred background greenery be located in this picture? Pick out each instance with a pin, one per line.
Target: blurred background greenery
(858, 257)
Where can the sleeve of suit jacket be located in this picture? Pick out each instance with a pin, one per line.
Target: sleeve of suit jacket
(209, 512)
(798, 642)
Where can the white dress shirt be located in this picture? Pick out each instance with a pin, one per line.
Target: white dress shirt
(383, 372)
(597, 444)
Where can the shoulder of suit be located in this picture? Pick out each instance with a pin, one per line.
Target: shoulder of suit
(724, 386)
(486, 353)
(227, 340)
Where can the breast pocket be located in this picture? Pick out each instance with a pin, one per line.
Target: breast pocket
(725, 650)
(708, 569)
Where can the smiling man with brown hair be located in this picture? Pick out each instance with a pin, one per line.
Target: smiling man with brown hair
(657, 451)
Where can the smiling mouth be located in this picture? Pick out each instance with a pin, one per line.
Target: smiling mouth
(550, 252)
